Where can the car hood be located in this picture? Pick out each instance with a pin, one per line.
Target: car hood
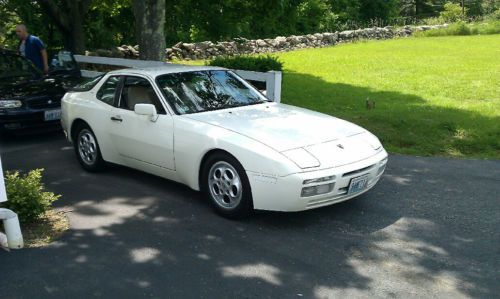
(17, 88)
(280, 126)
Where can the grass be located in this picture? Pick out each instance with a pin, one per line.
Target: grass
(45, 230)
(433, 96)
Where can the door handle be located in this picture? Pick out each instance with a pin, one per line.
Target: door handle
(116, 118)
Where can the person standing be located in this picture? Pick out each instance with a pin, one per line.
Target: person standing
(32, 48)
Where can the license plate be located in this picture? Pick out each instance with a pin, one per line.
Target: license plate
(358, 184)
(52, 115)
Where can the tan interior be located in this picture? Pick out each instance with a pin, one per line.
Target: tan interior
(138, 95)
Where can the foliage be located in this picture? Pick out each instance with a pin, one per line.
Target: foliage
(27, 195)
(462, 28)
(116, 17)
(432, 21)
(111, 23)
(452, 12)
(8, 21)
(494, 15)
(249, 63)
(490, 6)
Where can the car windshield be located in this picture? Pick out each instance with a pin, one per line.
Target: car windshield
(193, 92)
(14, 66)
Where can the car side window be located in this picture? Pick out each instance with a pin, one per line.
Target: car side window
(137, 90)
(107, 92)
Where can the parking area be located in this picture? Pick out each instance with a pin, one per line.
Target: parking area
(429, 229)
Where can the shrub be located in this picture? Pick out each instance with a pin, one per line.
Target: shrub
(432, 21)
(492, 27)
(248, 63)
(494, 15)
(462, 28)
(27, 196)
(459, 28)
(452, 12)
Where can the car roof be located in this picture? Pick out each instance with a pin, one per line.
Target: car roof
(167, 68)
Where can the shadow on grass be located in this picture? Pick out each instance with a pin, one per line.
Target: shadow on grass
(405, 123)
(422, 231)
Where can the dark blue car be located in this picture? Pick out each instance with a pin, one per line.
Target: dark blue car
(30, 101)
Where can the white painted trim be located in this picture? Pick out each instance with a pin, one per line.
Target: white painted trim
(3, 193)
(9, 218)
(118, 61)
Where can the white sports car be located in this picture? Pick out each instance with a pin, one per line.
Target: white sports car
(207, 128)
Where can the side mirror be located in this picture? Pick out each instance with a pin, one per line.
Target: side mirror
(146, 109)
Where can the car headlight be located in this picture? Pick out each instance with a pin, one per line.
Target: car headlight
(372, 140)
(302, 158)
(7, 104)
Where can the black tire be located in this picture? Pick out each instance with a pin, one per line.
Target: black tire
(94, 163)
(237, 209)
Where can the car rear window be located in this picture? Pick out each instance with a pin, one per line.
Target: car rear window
(86, 84)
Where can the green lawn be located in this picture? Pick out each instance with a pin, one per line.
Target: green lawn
(434, 96)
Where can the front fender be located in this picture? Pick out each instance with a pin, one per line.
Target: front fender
(194, 139)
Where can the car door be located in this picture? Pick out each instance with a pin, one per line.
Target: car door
(138, 139)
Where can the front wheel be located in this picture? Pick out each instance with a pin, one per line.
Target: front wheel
(87, 149)
(226, 184)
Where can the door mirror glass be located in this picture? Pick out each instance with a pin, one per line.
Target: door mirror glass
(146, 109)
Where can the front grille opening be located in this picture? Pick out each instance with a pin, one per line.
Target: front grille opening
(42, 103)
(357, 171)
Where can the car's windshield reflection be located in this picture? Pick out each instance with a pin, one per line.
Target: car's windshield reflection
(193, 92)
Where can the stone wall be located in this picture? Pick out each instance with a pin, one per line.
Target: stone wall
(238, 46)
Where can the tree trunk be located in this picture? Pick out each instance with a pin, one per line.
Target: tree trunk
(150, 24)
(77, 35)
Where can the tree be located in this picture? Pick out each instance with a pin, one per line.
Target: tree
(69, 17)
(378, 9)
(150, 25)
(420, 8)
(453, 12)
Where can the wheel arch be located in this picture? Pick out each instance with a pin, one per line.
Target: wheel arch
(76, 122)
(203, 161)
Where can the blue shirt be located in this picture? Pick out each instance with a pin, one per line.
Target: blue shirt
(32, 47)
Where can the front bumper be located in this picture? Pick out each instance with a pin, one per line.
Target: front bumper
(26, 121)
(284, 193)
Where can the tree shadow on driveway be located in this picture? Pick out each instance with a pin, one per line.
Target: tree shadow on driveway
(428, 229)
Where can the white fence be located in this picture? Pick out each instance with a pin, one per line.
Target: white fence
(272, 78)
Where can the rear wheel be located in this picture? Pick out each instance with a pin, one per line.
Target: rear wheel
(226, 184)
(87, 149)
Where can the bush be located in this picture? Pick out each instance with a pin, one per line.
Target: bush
(248, 63)
(452, 12)
(462, 28)
(432, 21)
(492, 27)
(27, 196)
(495, 16)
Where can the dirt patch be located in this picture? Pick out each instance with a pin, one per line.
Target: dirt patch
(48, 228)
